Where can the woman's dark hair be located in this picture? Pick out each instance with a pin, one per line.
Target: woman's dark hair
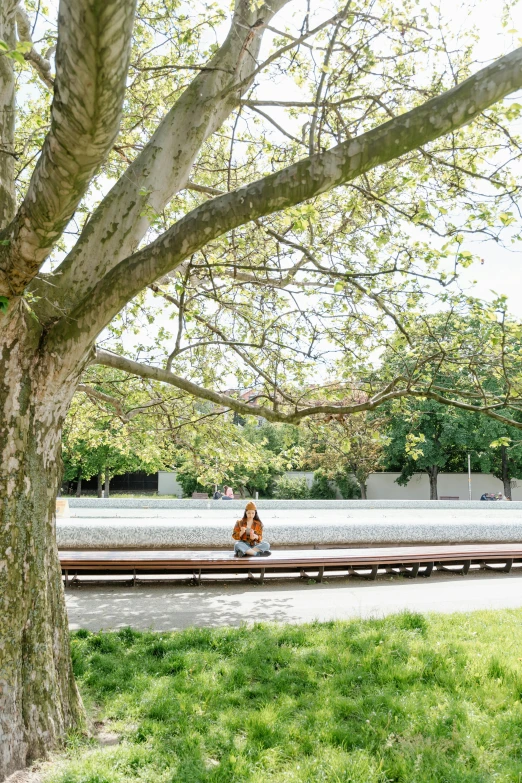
(256, 517)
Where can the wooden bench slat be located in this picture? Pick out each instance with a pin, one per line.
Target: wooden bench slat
(179, 559)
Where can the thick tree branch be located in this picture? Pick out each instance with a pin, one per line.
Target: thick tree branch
(294, 417)
(292, 185)
(223, 400)
(163, 167)
(91, 68)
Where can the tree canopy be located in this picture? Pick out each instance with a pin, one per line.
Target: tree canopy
(289, 235)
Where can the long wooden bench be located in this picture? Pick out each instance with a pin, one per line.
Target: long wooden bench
(411, 561)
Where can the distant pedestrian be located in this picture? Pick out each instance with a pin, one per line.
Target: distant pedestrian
(228, 493)
(248, 534)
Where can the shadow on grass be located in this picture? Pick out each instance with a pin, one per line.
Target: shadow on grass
(400, 699)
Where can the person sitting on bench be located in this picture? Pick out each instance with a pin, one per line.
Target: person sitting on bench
(248, 534)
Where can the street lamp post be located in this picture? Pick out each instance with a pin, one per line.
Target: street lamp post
(469, 475)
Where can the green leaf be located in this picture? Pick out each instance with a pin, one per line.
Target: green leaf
(4, 304)
(17, 56)
(495, 444)
(339, 286)
(24, 46)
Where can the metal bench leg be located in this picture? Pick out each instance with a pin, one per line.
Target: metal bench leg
(371, 577)
(66, 574)
(412, 572)
(318, 578)
(197, 577)
(428, 569)
(262, 576)
(504, 570)
(463, 571)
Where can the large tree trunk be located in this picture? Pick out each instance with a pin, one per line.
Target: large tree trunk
(433, 473)
(79, 487)
(506, 478)
(107, 482)
(39, 700)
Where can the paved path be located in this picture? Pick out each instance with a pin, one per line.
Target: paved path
(176, 606)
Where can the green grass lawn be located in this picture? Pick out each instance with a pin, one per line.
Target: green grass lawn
(407, 698)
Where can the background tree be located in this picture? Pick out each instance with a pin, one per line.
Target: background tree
(349, 448)
(225, 453)
(426, 436)
(497, 450)
(120, 139)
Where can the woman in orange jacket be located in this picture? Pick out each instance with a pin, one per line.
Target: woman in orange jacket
(248, 534)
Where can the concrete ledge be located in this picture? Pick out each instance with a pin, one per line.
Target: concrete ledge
(157, 534)
(187, 503)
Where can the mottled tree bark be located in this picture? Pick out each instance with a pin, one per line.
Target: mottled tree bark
(39, 700)
(91, 69)
(163, 167)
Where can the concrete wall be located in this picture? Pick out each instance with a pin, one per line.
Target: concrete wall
(168, 484)
(382, 486)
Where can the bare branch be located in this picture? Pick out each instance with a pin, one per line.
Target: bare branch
(125, 416)
(233, 344)
(42, 65)
(276, 55)
(204, 189)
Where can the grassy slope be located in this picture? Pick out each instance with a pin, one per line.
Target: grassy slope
(402, 699)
